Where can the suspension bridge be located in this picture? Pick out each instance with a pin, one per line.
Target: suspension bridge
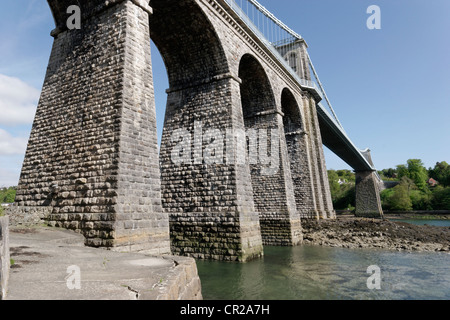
(93, 164)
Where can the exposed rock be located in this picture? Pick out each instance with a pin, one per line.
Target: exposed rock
(372, 233)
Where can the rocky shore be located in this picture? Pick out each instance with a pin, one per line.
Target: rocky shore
(351, 232)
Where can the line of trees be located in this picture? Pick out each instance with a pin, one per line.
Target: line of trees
(415, 190)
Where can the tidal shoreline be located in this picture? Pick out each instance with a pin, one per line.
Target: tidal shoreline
(351, 232)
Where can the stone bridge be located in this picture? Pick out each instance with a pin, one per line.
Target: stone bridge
(93, 164)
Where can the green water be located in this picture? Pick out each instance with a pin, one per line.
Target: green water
(313, 272)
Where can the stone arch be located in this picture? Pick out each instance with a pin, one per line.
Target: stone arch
(187, 41)
(256, 91)
(196, 64)
(201, 189)
(292, 119)
(271, 181)
(297, 147)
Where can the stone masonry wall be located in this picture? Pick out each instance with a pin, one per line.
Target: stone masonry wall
(203, 200)
(92, 154)
(325, 192)
(141, 224)
(5, 263)
(183, 283)
(368, 203)
(28, 216)
(311, 130)
(208, 198)
(297, 146)
(270, 169)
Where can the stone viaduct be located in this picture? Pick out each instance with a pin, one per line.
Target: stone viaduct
(93, 164)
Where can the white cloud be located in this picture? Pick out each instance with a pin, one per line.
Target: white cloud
(18, 101)
(10, 145)
(9, 178)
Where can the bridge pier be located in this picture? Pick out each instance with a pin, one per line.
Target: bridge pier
(323, 202)
(300, 166)
(312, 180)
(92, 158)
(207, 193)
(324, 186)
(273, 190)
(368, 202)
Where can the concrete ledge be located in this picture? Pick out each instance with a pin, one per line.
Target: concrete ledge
(4, 256)
(183, 282)
(47, 260)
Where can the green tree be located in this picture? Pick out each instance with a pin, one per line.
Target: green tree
(346, 175)
(343, 195)
(441, 198)
(418, 173)
(415, 171)
(335, 187)
(388, 174)
(421, 200)
(402, 171)
(385, 196)
(346, 198)
(7, 195)
(441, 173)
(400, 200)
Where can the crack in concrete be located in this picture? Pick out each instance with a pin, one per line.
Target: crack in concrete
(134, 291)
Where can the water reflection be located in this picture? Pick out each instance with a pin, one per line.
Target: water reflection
(311, 272)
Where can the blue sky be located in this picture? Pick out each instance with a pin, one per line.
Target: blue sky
(390, 88)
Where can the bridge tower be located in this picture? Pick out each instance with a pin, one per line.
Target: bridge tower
(91, 163)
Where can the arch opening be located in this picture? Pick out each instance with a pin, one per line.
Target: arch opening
(272, 196)
(292, 119)
(187, 41)
(193, 56)
(256, 91)
(297, 147)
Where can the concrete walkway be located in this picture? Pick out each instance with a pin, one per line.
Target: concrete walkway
(53, 264)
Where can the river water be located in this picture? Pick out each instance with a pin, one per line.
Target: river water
(317, 273)
(421, 222)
